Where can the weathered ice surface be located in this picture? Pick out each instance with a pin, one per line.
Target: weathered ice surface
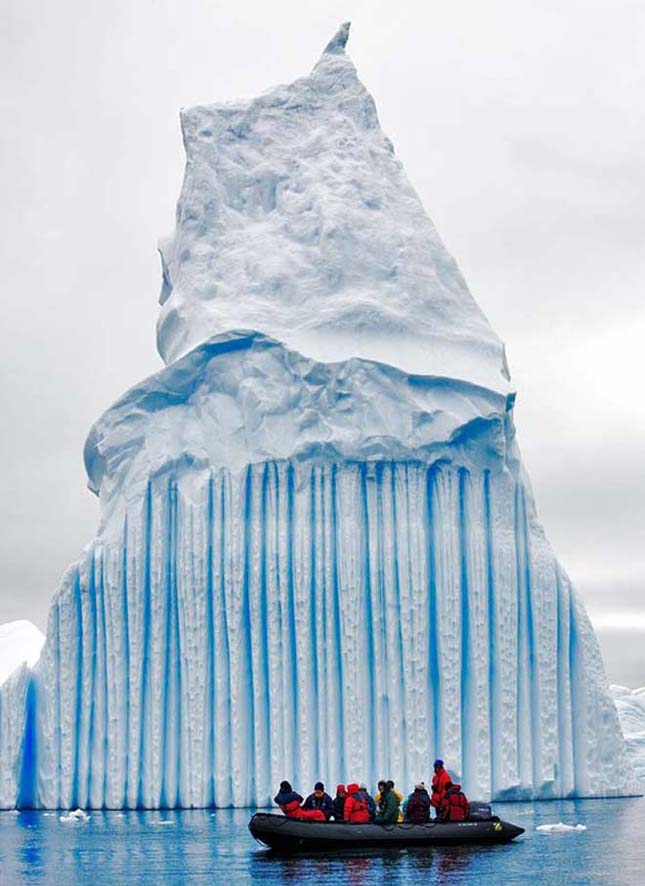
(319, 555)
(631, 710)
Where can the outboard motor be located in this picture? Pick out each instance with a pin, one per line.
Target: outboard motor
(480, 812)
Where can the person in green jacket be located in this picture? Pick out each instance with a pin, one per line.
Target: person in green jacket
(388, 807)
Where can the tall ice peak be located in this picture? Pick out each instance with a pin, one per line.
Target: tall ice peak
(297, 220)
(339, 41)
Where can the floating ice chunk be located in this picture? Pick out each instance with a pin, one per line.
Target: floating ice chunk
(75, 815)
(560, 828)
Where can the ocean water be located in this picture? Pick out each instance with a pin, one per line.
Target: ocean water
(201, 847)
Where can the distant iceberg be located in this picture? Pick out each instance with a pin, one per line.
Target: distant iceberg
(631, 711)
(319, 555)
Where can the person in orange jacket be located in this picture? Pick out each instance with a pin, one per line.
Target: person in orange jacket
(440, 780)
(356, 806)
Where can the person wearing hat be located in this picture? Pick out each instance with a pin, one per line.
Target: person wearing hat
(320, 800)
(417, 807)
(440, 780)
(338, 802)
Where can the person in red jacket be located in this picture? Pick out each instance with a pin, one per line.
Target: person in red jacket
(289, 801)
(439, 781)
(356, 806)
(454, 806)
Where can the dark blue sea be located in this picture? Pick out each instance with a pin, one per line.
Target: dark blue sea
(201, 847)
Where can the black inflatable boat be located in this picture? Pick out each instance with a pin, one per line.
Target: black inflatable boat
(289, 835)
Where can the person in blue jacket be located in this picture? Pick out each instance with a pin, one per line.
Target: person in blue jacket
(320, 800)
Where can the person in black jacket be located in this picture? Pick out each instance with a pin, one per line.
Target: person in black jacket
(339, 802)
(320, 800)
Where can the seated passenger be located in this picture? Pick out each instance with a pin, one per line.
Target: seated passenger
(339, 802)
(398, 795)
(320, 800)
(371, 804)
(356, 806)
(439, 781)
(388, 807)
(289, 801)
(454, 806)
(381, 787)
(417, 806)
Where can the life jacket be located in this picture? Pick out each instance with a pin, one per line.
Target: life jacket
(356, 806)
(454, 806)
(291, 809)
(418, 807)
(289, 802)
(310, 815)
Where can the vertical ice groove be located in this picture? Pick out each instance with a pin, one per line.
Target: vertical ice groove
(525, 675)
(476, 645)
(506, 659)
(144, 773)
(354, 639)
(94, 688)
(125, 688)
(291, 666)
(271, 614)
(577, 704)
(102, 649)
(449, 616)
(391, 603)
(251, 673)
(413, 567)
(565, 726)
(224, 728)
(465, 677)
(337, 630)
(369, 626)
(303, 618)
(314, 627)
(434, 671)
(377, 626)
(212, 751)
(78, 693)
(493, 696)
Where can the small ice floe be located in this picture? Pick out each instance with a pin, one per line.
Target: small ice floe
(75, 815)
(560, 828)
(162, 821)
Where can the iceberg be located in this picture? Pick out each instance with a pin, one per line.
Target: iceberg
(631, 711)
(318, 555)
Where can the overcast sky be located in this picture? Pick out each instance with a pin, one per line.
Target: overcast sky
(520, 124)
